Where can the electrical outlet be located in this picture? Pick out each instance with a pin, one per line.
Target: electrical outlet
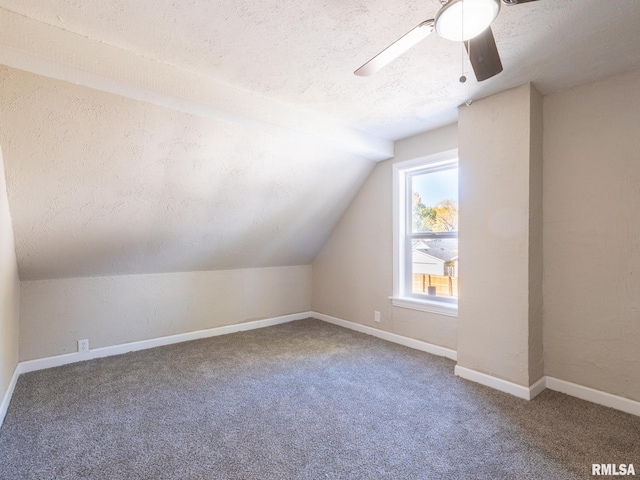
(83, 346)
(376, 316)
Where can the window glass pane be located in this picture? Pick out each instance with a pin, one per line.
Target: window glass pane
(434, 208)
(434, 201)
(434, 267)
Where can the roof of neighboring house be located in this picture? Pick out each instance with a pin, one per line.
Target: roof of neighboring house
(419, 254)
(443, 248)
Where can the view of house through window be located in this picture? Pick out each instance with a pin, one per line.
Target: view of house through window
(432, 239)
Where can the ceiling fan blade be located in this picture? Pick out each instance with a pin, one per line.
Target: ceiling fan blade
(483, 54)
(516, 2)
(396, 49)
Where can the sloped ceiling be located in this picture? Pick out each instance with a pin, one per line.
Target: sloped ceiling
(100, 185)
(153, 136)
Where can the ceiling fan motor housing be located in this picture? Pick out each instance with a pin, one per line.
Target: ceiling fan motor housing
(461, 20)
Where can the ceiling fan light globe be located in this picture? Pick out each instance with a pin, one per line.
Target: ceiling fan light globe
(478, 15)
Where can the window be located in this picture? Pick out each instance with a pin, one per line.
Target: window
(426, 233)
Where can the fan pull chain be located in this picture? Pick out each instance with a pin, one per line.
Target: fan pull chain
(463, 78)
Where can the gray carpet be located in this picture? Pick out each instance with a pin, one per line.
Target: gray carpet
(303, 400)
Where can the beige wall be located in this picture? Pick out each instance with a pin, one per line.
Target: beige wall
(121, 309)
(353, 273)
(592, 235)
(9, 292)
(500, 308)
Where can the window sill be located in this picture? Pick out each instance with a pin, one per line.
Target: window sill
(441, 308)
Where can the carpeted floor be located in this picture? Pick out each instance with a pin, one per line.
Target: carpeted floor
(303, 400)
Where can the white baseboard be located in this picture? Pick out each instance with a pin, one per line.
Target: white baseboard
(391, 337)
(537, 388)
(579, 391)
(596, 396)
(4, 406)
(58, 360)
(519, 391)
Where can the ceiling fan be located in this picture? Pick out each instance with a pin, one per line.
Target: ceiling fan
(459, 20)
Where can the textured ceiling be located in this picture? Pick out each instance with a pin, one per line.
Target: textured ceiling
(303, 52)
(146, 136)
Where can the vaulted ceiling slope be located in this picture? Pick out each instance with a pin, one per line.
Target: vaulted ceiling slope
(100, 184)
(148, 136)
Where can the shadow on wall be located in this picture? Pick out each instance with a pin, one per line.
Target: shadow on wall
(9, 295)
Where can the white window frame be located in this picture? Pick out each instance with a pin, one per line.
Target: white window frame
(401, 221)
